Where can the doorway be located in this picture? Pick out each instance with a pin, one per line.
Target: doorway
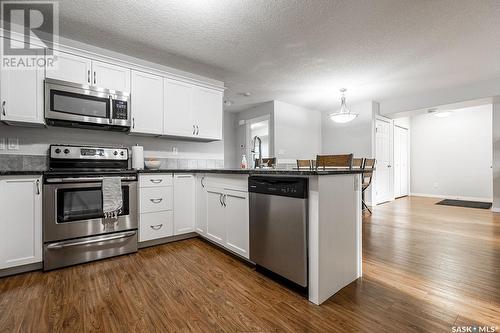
(383, 154)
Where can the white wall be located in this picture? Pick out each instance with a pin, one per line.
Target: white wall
(496, 155)
(297, 132)
(229, 137)
(452, 156)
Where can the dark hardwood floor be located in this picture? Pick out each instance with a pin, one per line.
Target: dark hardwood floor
(426, 268)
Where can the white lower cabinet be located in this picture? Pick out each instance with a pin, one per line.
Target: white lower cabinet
(184, 203)
(216, 229)
(21, 221)
(227, 221)
(201, 205)
(156, 225)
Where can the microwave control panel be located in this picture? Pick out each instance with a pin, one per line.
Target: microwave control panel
(120, 110)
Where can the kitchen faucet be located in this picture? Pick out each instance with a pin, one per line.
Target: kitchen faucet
(259, 164)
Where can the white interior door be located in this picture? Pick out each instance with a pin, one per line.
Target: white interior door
(383, 173)
(404, 154)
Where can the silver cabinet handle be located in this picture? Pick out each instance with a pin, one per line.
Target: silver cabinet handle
(220, 200)
(156, 181)
(38, 186)
(224, 198)
(88, 76)
(133, 123)
(156, 227)
(156, 200)
(95, 77)
(197, 130)
(201, 181)
(3, 108)
(110, 106)
(60, 245)
(389, 166)
(194, 130)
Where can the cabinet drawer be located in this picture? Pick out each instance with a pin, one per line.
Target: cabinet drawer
(156, 199)
(153, 180)
(156, 225)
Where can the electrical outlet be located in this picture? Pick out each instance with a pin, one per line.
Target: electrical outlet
(241, 122)
(13, 144)
(175, 151)
(2, 143)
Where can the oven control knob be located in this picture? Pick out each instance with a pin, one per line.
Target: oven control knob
(58, 151)
(66, 151)
(122, 153)
(115, 153)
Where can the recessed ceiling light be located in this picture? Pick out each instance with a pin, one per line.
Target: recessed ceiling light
(442, 114)
(246, 94)
(228, 102)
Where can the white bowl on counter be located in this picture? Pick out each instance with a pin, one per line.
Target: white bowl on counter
(152, 164)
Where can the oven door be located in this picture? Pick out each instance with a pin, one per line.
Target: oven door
(72, 210)
(84, 104)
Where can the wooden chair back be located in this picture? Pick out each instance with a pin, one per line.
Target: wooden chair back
(358, 163)
(269, 161)
(334, 161)
(303, 164)
(368, 169)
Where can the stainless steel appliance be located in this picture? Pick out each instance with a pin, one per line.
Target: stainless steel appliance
(74, 227)
(278, 226)
(80, 105)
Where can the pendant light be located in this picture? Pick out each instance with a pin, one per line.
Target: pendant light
(344, 115)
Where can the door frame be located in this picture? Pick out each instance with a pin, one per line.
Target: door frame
(391, 159)
(408, 166)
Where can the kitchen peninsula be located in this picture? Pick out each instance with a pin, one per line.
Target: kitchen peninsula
(334, 216)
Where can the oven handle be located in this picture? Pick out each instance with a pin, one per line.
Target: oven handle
(84, 179)
(61, 245)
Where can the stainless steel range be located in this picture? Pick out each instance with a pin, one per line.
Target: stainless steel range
(74, 227)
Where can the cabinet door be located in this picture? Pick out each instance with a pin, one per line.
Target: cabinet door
(147, 103)
(184, 204)
(201, 206)
(21, 207)
(237, 222)
(178, 116)
(22, 95)
(72, 68)
(216, 229)
(207, 113)
(110, 76)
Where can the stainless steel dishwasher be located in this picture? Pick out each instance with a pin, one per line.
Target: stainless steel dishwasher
(278, 225)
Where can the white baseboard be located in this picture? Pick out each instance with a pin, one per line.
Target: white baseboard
(455, 197)
(495, 209)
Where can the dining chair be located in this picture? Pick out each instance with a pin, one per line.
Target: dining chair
(366, 179)
(267, 162)
(303, 164)
(334, 161)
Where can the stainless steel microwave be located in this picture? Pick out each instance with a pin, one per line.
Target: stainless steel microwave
(80, 105)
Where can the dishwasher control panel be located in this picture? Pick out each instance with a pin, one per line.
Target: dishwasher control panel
(295, 187)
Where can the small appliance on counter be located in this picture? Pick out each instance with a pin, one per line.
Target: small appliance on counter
(75, 227)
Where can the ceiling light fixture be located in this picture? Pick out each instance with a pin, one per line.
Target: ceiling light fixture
(344, 115)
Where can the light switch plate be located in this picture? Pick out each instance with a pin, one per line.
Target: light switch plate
(13, 144)
(2, 143)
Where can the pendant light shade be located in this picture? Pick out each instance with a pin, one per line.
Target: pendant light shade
(344, 115)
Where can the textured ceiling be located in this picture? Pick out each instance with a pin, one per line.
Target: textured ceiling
(302, 51)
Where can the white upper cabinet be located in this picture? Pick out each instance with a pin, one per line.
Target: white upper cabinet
(21, 207)
(72, 68)
(147, 103)
(184, 204)
(110, 76)
(178, 111)
(207, 112)
(21, 95)
(78, 69)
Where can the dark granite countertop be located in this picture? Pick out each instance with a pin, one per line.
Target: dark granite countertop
(20, 173)
(254, 172)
